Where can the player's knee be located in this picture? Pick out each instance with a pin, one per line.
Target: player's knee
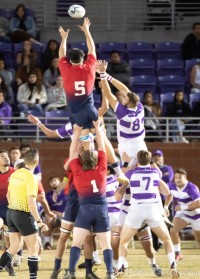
(65, 233)
(145, 238)
(116, 234)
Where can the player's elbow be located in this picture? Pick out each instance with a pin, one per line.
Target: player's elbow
(118, 196)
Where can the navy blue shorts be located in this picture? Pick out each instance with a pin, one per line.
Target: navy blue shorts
(93, 217)
(85, 117)
(71, 209)
(3, 214)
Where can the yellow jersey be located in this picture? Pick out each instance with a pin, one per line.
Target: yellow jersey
(22, 184)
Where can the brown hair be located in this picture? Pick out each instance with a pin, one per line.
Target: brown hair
(31, 157)
(144, 157)
(181, 171)
(88, 160)
(3, 151)
(133, 98)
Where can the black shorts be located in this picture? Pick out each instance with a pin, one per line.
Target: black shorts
(93, 217)
(3, 214)
(22, 222)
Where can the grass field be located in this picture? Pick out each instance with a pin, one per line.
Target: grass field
(189, 267)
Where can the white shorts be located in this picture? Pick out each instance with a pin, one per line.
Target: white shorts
(131, 149)
(121, 219)
(150, 213)
(114, 216)
(195, 224)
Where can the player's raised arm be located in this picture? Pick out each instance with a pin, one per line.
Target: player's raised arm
(89, 40)
(99, 135)
(63, 45)
(74, 143)
(102, 65)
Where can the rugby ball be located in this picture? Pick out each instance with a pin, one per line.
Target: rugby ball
(76, 11)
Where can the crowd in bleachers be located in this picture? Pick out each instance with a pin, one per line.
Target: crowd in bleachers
(31, 83)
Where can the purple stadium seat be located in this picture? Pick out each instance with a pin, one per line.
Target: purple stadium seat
(5, 47)
(142, 83)
(168, 50)
(170, 66)
(165, 100)
(143, 66)
(56, 114)
(171, 83)
(3, 13)
(140, 50)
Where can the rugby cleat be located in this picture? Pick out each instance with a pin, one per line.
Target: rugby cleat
(110, 276)
(91, 275)
(157, 270)
(69, 274)
(55, 273)
(10, 270)
(174, 272)
(119, 272)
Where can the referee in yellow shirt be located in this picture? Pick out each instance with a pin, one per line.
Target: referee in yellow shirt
(22, 215)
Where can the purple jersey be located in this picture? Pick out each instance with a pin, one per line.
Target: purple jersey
(130, 123)
(56, 202)
(144, 182)
(65, 131)
(167, 173)
(186, 195)
(111, 186)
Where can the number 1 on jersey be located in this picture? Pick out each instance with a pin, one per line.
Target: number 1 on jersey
(94, 185)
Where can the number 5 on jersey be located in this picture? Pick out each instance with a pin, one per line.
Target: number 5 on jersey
(94, 185)
(79, 86)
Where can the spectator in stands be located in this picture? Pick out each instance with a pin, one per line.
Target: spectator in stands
(28, 53)
(56, 199)
(22, 27)
(25, 69)
(31, 96)
(8, 90)
(5, 111)
(118, 69)
(179, 108)
(14, 155)
(6, 74)
(4, 29)
(195, 79)
(56, 96)
(51, 74)
(191, 43)
(152, 110)
(50, 52)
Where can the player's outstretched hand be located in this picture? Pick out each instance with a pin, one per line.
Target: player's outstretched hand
(33, 119)
(97, 123)
(64, 34)
(86, 25)
(77, 129)
(102, 66)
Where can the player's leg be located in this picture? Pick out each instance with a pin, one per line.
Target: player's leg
(79, 236)
(163, 233)
(67, 224)
(15, 241)
(95, 254)
(126, 234)
(179, 224)
(104, 239)
(32, 246)
(145, 238)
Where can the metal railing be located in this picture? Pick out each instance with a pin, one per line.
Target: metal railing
(20, 129)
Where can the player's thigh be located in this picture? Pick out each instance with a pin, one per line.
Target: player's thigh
(85, 216)
(104, 239)
(162, 232)
(70, 213)
(127, 233)
(179, 224)
(197, 235)
(79, 236)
